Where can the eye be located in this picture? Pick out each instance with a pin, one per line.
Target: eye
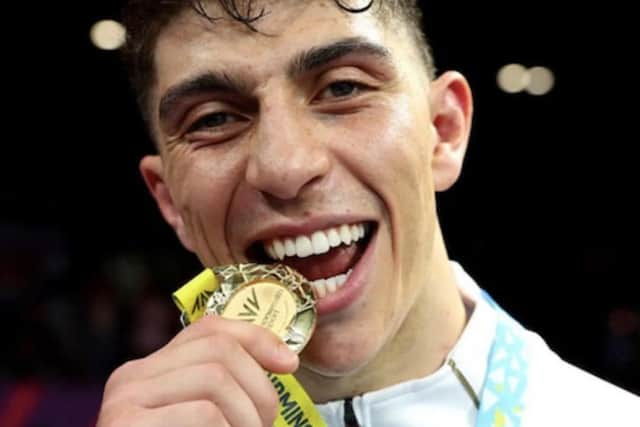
(339, 89)
(212, 121)
(342, 89)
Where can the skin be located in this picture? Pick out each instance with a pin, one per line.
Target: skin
(376, 149)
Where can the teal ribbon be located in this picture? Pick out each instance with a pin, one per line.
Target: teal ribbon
(502, 395)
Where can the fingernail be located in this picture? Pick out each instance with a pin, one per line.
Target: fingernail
(285, 354)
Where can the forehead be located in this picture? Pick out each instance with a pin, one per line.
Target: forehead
(190, 43)
(282, 21)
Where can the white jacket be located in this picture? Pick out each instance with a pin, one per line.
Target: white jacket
(557, 393)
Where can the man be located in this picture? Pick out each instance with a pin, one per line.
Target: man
(279, 126)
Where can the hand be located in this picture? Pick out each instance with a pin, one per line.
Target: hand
(211, 374)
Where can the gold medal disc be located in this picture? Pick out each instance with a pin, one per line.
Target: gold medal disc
(264, 302)
(272, 296)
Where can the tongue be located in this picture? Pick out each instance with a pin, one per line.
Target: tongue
(337, 261)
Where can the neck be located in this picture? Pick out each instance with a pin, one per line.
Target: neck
(418, 348)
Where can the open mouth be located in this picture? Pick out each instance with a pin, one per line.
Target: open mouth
(325, 257)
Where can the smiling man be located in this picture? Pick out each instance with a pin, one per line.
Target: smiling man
(315, 134)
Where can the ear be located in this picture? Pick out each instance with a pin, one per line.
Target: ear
(151, 168)
(451, 112)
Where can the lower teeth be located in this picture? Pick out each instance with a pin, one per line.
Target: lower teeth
(330, 285)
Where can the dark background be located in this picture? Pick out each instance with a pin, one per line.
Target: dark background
(544, 216)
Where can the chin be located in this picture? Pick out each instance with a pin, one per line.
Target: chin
(332, 369)
(338, 359)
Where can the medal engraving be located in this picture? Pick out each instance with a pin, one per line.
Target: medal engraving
(273, 296)
(265, 303)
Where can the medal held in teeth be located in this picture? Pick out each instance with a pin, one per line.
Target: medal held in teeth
(273, 296)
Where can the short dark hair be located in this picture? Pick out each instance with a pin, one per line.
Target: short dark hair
(145, 19)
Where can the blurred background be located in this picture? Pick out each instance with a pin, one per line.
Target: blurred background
(544, 216)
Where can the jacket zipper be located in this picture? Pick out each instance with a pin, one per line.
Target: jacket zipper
(350, 419)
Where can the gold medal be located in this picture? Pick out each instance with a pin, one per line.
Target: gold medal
(273, 296)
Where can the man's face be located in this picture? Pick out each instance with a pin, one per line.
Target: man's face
(321, 125)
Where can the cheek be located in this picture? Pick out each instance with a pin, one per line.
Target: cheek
(202, 187)
(390, 148)
(396, 164)
(389, 152)
(202, 179)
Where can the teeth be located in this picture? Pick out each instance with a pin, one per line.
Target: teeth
(355, 231)
(328, 286)
(334, 238)
(345, 234)
(303, 247)
(270, 252)
(321, 290)
(278, 248)
(290, 247)
(319, 242)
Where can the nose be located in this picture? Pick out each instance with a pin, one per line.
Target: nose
(287, 154)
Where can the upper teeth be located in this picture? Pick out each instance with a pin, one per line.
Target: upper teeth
(319, 242)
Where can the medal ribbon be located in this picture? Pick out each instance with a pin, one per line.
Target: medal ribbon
(295, 405)
(501, 402)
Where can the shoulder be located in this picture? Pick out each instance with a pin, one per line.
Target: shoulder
(560, 394)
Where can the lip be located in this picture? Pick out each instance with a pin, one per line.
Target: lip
(355, 285)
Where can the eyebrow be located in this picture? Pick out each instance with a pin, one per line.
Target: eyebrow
(209, 81)
(303, 62)
(320, 56)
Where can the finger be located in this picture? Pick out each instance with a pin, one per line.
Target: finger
(199, 413)
(263, 345)
(211, 382)
(224, 350)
